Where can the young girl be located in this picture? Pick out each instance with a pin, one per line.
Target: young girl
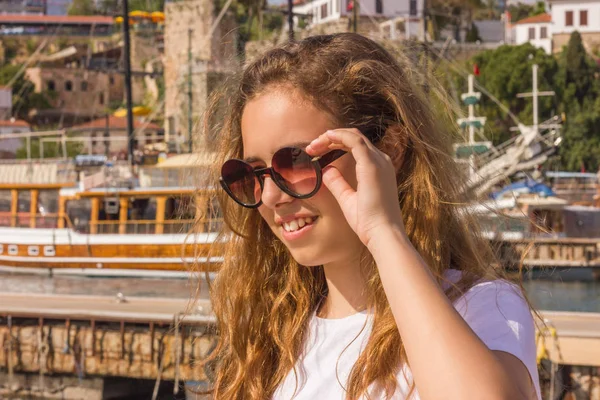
(351, 269)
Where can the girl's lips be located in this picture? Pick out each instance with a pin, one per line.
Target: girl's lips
(302, 232)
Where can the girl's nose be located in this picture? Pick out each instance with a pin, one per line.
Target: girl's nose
(272, 195)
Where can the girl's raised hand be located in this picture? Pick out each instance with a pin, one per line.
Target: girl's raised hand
(374, 203)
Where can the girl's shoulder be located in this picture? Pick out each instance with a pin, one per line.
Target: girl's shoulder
(489, 294)
(499, 314)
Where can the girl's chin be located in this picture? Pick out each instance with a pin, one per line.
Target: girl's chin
(306, 260)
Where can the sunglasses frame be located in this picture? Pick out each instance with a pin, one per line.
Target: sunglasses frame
(318, 163)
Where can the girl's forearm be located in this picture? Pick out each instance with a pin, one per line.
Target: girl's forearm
(447, 359)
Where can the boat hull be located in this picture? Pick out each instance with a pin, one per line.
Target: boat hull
(64, 248)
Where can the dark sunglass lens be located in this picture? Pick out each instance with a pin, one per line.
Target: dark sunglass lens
(241, 181)
(295, 170)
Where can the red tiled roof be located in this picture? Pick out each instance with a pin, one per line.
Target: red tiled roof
(115, 123)
(17, 122)
(56, 19)
(536, 19)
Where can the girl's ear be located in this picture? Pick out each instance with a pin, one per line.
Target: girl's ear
(395, 143)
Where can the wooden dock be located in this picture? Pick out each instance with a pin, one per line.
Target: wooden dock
(549, 252)
(146, 338)
(158, 338)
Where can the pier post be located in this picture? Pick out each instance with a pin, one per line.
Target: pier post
(161, 202)
(14, 207)
(124, 204)
(61, 212)
(94, 215)
(33, 206)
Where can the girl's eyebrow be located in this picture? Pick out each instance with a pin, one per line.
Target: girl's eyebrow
(301, 145)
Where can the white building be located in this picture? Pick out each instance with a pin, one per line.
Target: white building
(536, 30)
(569, 16)
(322, 11)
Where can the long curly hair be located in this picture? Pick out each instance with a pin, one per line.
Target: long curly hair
(261, 297)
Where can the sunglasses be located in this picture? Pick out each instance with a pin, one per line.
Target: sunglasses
(292, 169)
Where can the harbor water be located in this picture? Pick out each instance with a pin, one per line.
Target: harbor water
(569, 290)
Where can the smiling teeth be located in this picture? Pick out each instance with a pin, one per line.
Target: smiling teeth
(297, 224)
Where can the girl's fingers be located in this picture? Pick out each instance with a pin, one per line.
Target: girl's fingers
(344, 139)
(353, 141)
(337, 185)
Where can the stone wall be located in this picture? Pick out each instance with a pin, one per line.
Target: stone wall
(144, 49)
(210, 54)
(591, 41)
(81, 100)
(367, 26)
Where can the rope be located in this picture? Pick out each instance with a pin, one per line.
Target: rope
(177, 354)
(161, 365)
(542, 352)
(9, 360)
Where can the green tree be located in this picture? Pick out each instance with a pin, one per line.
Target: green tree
(538, 9)
(520, 11)
(51, 149)
(453, 13)
(581, 141)
(472, 34)
(82, 7)
(115, 7)
(505, 72)
(24, 97)
(577, 74)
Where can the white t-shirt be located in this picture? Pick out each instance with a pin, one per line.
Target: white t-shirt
(495, 311)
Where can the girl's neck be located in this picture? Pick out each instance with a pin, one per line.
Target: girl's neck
(347, 291)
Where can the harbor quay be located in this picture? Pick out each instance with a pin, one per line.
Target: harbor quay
(73, 347)
(95, 347)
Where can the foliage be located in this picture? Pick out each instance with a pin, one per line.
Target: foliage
(578, 76)
(453, 13)
(581, 141)
(51, 149)
(538, 9)
(11, 47)
(573, 76)
(24, 97)
(521, 11)
(81, 7)
(472, 34)
(115, 7)
(505, 72)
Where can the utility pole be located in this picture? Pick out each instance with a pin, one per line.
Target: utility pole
(535, 94)
(127, 62)
(355, 13)
(190, 121)
(291, 20)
